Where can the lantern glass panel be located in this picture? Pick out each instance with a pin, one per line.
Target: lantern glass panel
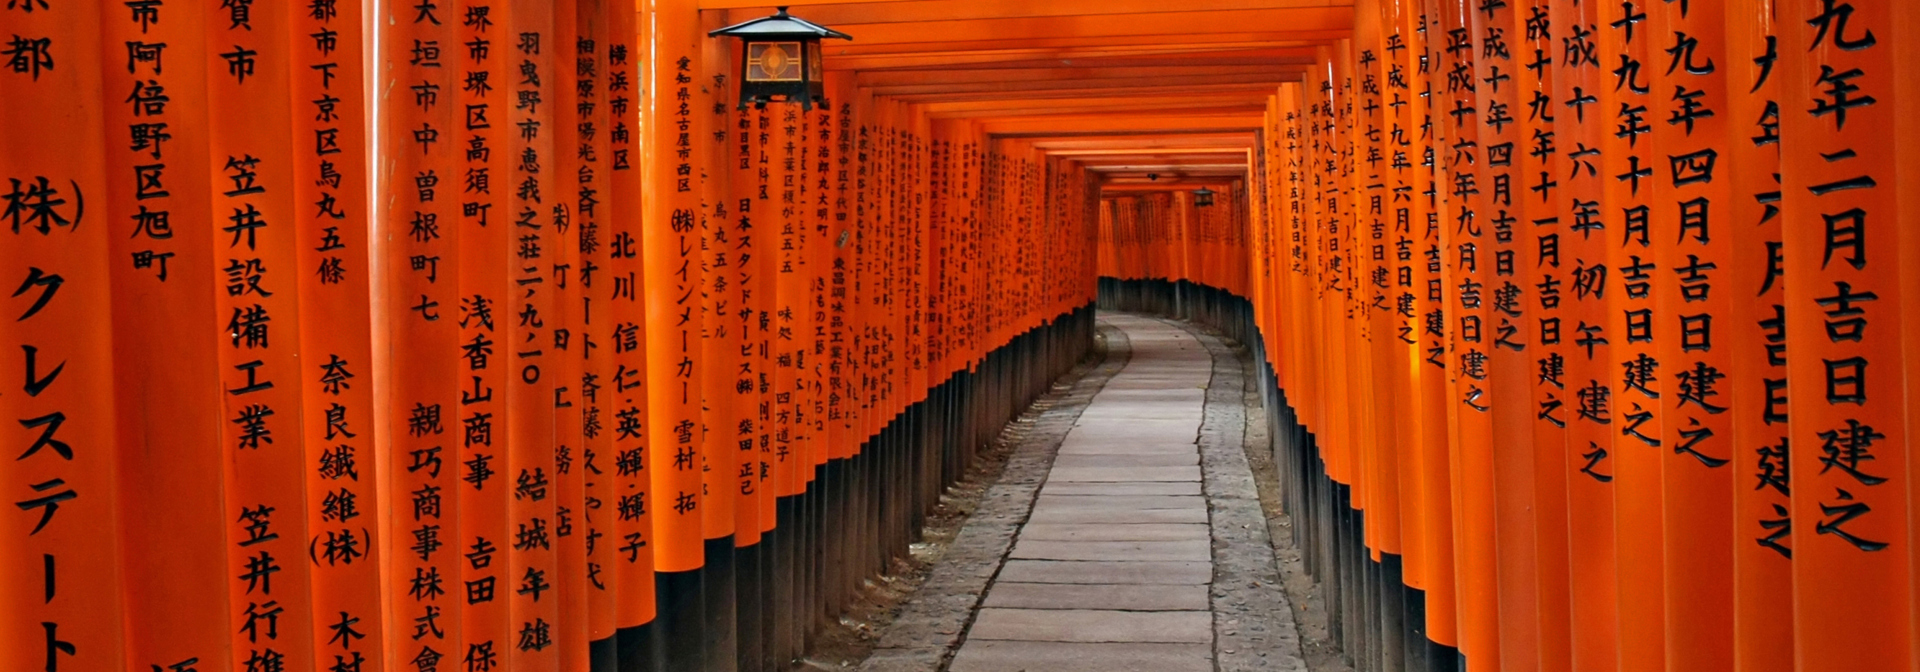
(773, 62)
(815, 69)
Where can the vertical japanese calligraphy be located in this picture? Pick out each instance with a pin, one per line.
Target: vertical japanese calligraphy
(164, 282)
(1635, 376)
(1756, 342)
(257, 323)
(1579, 130)
(1842, 298)
(451, 335)
(573, 340)
(671, 245)
(1687, 44)
(60, 565)
(722, 293)
(591, 515)
(330, 221)
(430, 458)
(626, 384)
(750, 294)
(522, 439)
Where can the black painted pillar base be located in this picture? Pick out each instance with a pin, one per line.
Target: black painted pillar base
(603, 655)
(682, 606)
(834, 581)
(639, 647)
(779, 543)
(769, 600)
(749, 617)
(806, 562)
(720, 596)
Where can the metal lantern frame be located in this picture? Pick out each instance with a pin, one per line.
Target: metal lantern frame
(1203, 198)
(780, 60)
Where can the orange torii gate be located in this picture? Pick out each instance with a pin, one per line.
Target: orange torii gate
(492, 334)
(524, 332)
(1574, 223)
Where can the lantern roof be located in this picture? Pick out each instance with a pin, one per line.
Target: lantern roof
(781, 24)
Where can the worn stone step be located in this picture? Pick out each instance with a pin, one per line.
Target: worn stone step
(1124, 474)
(1119, 516)
(1116, 551)
(1169, 459)
(1122, 597)
(1012, 656)
(1118, 502)
(1098, 446)
(1113, 532)
(1153, 488)
(1089, 625)
(1069, 571)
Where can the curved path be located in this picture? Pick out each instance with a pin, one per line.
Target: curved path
(1142, 545)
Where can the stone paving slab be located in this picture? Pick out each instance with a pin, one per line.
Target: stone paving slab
(1131, 424)
(1080, 439)
(1143, 379)
(1123, 474)
(1186, 391)
(1115, 447)
(1158, 404)
(1182, 398)
(1158, 438)
(1143, 412)
(1140, 415)
(1149, 434)
(1133, 418)
(1121, 516)
(1107, 596)
(1199, 550)
(1159, 390)
(1167, 459)
(1138, 388)
(1046, 502)
(1162, 402)
(1164, 488)
(1066, 571)
(1088, 625)
(1113, 532)
(1007, 656)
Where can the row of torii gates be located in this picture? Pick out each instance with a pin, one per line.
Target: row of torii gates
(501, 334)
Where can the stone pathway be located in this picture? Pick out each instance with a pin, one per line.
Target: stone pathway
(1112, 567)
(1131, 539)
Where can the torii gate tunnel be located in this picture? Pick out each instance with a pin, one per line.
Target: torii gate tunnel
(461, 335)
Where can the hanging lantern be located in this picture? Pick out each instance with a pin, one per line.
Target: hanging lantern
(780, 60)
(1203, 198)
